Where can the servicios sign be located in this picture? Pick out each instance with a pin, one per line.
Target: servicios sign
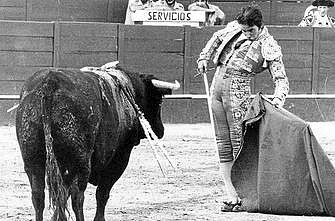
(149, 17)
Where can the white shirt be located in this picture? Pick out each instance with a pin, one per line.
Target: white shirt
(322, 21)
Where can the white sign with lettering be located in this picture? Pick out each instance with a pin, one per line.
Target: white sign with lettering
(170, 18)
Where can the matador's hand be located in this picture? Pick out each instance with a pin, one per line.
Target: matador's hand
(202, 66)
(277, 102)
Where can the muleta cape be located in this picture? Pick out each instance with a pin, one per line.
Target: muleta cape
(281, 168)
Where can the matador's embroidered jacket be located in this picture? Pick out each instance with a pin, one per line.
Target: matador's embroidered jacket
(251, 58)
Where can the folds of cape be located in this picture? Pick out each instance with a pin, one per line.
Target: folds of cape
(281, 168)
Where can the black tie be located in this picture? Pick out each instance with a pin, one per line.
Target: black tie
(239, 43)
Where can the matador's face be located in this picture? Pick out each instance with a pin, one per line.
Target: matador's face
(251, 32)
(323, 10)
(170, 2)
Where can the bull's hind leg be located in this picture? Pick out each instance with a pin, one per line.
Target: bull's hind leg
(36, 177)
(31, 140)
(78, 188)
(77, 179)
(34, 157)
(77, 198)
(110, 176)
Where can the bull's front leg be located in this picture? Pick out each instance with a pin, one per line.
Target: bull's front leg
(110, 176)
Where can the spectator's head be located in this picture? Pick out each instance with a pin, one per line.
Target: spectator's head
(323, 6)
(170, 2)
(323, 10)
(251, 21)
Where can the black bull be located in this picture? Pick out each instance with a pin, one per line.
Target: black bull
(73, 127)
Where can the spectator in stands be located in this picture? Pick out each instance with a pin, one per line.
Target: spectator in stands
(167, 5)
(159, 5)
(134, 5)
(216, 15)
(316, 15)
(310, 10)
(240, 50)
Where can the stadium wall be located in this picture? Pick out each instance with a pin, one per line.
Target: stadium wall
(169, 53)
(276, 12)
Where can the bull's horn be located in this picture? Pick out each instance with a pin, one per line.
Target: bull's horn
(164, 84)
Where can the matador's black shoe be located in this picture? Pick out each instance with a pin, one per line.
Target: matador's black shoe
(232, 207)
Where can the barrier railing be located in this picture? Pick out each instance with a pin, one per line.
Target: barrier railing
(203, 96)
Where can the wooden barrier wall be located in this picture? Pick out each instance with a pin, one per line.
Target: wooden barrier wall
(153, 49)
(25, 47)
(324, 79)
(276, 12)
(81, 44)
(167, 52)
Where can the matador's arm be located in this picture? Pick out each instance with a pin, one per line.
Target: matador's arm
(209, 51)
(214, 42)
(273, 57)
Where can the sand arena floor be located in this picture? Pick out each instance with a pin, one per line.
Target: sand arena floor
(195, 192)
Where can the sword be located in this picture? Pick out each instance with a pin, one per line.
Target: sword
(208, 97)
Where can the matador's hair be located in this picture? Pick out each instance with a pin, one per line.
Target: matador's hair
(250, 15)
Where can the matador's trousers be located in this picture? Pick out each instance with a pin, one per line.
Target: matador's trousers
(230, 98)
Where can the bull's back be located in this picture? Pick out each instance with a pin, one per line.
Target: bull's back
(72, 101)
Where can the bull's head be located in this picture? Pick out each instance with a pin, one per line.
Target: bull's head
(153, 95)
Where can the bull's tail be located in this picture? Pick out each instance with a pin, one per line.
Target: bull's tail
(57, 191)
